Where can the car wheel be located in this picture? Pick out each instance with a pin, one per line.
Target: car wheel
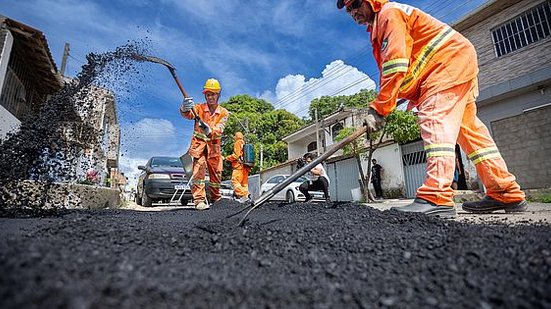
(184, 201)
(138, 199)
(290, 197)
(146, 200)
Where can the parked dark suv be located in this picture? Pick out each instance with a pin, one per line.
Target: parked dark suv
(158, 180)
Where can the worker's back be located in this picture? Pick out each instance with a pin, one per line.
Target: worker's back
(436, 56)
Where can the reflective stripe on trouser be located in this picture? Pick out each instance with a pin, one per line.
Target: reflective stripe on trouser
(240, 182)
(448, 117)
(200, 165)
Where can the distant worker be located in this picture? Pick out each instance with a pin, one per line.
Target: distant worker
(434, 67)
(205, 148)
(240, 173)
(319, 181)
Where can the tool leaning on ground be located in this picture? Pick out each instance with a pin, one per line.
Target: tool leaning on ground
(204, 127)
(303, 170)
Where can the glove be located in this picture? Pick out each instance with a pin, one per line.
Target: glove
(187, 105)
(374, 121)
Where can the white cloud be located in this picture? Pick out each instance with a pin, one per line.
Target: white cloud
(294, 92)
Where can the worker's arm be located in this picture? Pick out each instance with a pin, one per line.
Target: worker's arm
(396, 46)
(218, 127)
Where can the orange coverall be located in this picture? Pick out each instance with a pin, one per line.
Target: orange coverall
(427, 62)
(206, 152)
(240, 173)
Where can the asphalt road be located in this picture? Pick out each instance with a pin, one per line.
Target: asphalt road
(296, 255)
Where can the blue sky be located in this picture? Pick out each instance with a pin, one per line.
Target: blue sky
(285, 51)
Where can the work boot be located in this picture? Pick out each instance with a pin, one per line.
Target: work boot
(202, 206)
(489, 205)
(430, 209)
(243, 200)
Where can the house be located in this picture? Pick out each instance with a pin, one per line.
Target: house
(28, 77)
(28, 74)
(342, 169)
(513, 42)
(103, 154)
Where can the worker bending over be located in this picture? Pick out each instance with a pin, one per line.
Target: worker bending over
(433, 66)
(205, 148)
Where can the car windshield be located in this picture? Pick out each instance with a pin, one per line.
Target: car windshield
(301, 179)
(170, 162)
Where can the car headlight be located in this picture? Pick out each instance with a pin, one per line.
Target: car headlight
(158, 176)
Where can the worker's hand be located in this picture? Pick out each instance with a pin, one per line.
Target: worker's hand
(205, 128)
(187, 105)
(374, 121)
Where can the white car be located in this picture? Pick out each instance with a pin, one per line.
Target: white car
(226, 189)
(290, 193)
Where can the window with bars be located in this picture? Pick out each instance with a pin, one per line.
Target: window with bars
(529, 27)
(312, 146)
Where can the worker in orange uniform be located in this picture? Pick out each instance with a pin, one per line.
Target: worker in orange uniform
(205, 148)
(425, 61)
(240, 173)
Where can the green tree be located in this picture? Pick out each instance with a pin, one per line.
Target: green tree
(262, 125)
(401, 126)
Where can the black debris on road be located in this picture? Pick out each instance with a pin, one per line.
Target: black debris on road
(295, 255)
(50, 143)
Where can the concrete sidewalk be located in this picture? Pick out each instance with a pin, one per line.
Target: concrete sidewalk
(536, 212)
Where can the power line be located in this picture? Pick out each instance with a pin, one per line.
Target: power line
(356, 82)
(457, 7)
(329, 73)
(313, 87)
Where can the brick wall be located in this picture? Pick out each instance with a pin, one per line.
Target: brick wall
(495, 70)
(525, 143)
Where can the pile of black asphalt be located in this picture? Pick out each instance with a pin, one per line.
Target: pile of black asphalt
(286, 255)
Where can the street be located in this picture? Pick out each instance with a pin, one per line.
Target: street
(287, 255)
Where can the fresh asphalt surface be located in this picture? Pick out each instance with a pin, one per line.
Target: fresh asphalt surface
(287, 255)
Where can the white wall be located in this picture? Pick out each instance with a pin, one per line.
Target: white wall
(390, 158)
(5, 58)
(8, 122)
(297, 149)
(281, 170)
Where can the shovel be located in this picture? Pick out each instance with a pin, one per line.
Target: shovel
(204, 127)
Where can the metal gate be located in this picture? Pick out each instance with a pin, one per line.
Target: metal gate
(344, 177)
(414, 159)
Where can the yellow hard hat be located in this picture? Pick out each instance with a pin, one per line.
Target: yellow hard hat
(212, 85)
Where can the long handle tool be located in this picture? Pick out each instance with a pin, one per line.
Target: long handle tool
(172, 69)
(273, 191)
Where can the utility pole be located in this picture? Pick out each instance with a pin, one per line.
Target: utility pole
(261, 155)
(317, 133)
(64, 59)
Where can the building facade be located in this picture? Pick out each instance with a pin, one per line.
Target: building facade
(343, 170)
(513, 42)
(28, 74)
